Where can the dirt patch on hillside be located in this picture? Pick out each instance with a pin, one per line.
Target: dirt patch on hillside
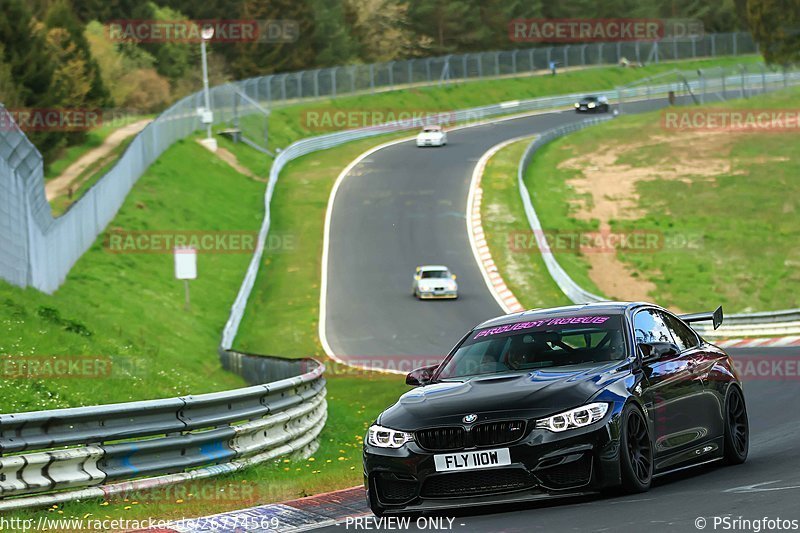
(607, 191)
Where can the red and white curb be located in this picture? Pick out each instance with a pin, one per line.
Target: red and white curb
(775, 342)
(477, 238)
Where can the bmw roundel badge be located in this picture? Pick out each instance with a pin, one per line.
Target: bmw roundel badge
(469, 419)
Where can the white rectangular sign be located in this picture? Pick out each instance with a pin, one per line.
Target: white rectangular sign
(472, 460)
(185, 263)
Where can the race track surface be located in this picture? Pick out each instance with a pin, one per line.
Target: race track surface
(402, 207)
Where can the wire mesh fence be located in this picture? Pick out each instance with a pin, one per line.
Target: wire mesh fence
(39, 250)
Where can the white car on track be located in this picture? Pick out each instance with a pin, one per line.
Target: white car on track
(432, 135)
(434, 281)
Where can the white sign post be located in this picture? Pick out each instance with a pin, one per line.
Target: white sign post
(186, 269)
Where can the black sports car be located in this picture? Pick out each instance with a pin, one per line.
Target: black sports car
(550, 402)
(592, 104)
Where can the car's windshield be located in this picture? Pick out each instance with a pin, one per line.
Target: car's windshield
(590, 99)
(435, 274)
(432, 129)
(540, 343)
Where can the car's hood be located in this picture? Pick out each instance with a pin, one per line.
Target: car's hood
(430, 283)
(526, 395)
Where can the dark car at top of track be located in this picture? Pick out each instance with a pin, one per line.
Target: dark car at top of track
(553, 402)
(592, 104)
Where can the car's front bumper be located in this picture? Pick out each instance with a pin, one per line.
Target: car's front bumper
(438, 295)
(543, 465)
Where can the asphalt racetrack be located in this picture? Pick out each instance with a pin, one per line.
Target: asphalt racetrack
(404, 206)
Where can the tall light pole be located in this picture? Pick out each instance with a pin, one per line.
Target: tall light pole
(207, 34)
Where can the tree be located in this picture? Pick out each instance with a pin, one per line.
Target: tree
(775, 25)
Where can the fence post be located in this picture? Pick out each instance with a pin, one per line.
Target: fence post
(410, 64)
(764, 78)
(713, 45)
(390, 66)
(530, 58)
(566, 56)
(316, 83)
(372, 77)
(300, 84)
(733, 36)
(619, 52)
(428, 68)
(694, 47)
(638, 55)
(333, 81)
(480, 65)
(514, 61)
(353, 78)
(283, 87)
(600, 54)
(549, 50)
(583, 54)
(674, 49)
(269, 89)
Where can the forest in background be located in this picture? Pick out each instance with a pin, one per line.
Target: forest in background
(57, 53)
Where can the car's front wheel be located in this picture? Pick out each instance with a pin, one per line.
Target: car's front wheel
(737, 428)
(636, 451)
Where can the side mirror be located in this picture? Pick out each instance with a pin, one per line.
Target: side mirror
(421, 376)
(655, 351)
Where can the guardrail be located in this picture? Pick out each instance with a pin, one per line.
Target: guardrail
(94, 452)
(784, 322)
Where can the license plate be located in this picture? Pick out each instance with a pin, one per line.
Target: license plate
(472, 460)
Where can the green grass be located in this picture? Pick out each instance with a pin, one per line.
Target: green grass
(729, 238)
(94, 138)
(508, 233)
(129, 306)
(90, 176)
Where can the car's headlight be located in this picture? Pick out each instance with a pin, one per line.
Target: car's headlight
(591, 104)
(574, 418)
(387, 438)
(577, 105)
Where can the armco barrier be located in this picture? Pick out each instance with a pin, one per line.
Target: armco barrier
(768, 323)
(81, 452)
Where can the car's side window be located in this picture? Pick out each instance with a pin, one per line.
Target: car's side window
(649, 326)
(684, 337)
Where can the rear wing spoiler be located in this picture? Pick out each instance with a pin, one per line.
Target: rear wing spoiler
(715, 317)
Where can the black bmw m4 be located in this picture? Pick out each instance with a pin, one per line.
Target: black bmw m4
(553, 402)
